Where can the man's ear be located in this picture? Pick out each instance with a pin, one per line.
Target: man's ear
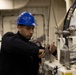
(19, 28)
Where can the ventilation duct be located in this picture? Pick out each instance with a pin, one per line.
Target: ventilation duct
(12, 4)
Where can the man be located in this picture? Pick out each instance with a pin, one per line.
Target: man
(19, 55)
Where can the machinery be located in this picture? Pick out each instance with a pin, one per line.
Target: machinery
(66, 48)
(68, 52)
(66, 63)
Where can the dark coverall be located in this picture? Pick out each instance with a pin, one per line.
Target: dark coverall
(19, 55)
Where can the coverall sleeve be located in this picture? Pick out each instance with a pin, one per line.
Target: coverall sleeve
(20, 45)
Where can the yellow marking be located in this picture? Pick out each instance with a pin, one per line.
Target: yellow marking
(62, 73)
(68, 18)
(69, 73)
(71, 8)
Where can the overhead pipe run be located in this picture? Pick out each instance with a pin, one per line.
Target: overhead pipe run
(12, 4)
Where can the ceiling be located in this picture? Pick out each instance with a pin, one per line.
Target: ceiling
(12, 4)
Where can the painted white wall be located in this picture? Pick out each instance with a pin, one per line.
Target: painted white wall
(59, 10)
(39, 28)
(38, 3)
(68, 4)
(9, 24)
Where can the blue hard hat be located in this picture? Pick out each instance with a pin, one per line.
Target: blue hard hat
(26, 19)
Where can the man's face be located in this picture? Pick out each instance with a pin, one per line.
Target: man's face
(26, 31)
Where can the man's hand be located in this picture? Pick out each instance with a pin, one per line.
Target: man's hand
(41, 53)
